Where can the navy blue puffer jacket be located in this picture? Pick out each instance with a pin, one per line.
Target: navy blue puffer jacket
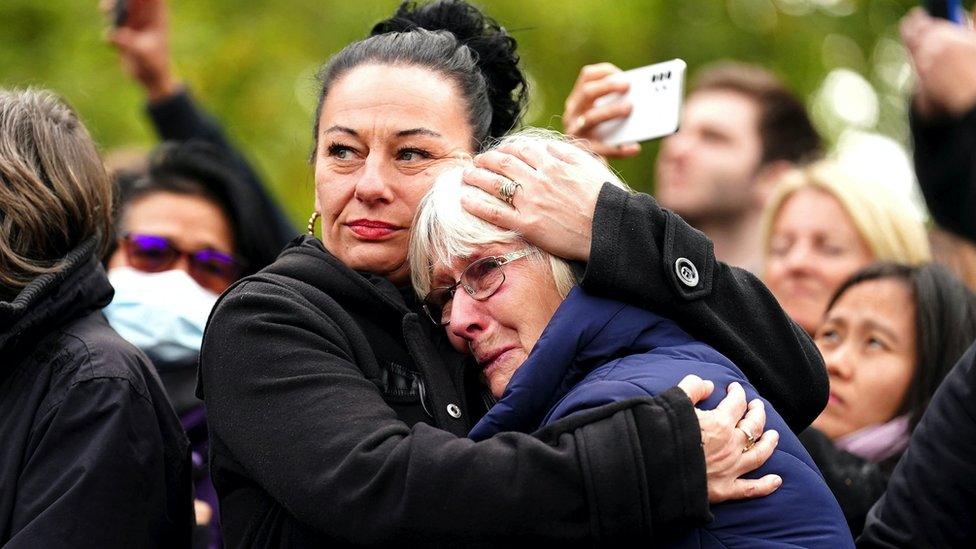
(595, 351)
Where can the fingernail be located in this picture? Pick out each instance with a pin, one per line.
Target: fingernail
(734, 385)
(778, 480)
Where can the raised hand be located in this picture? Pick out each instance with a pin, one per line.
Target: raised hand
(581, 115)
(143, 45)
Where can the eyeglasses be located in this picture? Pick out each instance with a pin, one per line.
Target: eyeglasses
(480, 280)
(211, 269)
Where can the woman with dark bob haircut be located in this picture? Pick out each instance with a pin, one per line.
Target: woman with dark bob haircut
(93, 455)
(890, 335)
(338, 414)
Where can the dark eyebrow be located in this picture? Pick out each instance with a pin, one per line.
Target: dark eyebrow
(418, 131)
(401, 133)
(873, 325)
(340, 129)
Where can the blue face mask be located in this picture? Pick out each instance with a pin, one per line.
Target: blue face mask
(163, 314)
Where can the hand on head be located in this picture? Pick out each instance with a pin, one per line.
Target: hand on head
(944, 57)
(582, 115)
(143, 45)
(554, 201)
(733, 441)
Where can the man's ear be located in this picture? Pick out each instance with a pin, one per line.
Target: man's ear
(767, 178)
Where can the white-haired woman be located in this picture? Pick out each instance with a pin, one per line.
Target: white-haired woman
(548, 350)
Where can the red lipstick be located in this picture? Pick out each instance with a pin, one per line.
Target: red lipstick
(370, 229)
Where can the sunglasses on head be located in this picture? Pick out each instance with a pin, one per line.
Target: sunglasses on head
(480, 280)
(210, 268)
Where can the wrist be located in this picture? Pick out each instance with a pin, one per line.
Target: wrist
(160, 89)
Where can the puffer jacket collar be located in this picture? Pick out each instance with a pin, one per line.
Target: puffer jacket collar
(54, 299)
(585, 332)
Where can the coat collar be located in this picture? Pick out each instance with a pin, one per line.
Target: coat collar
(585, 332)
(330, 275)
(54, 299)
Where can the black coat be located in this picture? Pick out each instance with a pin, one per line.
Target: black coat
(324, 386)
(91, 453)
(857, 483)
(945, 162)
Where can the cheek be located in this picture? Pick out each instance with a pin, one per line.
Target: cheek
(459, 344)
(412, 188)
(117, 259)
(333, 191)
(842, 268)
(892, 380)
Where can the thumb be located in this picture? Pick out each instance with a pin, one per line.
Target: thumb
(696, 388)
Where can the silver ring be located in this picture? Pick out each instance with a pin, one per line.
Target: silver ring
(507, 191)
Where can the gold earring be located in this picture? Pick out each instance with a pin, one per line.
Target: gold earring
(311, 223)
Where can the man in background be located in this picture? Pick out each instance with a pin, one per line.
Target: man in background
(740, 129)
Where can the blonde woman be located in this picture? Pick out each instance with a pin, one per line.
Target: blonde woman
(820, 226)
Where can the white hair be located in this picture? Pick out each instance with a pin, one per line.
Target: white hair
(443, 231)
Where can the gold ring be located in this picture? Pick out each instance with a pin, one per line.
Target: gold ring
(750, 440)
(507, 191)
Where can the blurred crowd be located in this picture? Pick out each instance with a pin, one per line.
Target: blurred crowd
(483, 335)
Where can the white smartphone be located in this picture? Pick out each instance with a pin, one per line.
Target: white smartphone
(656, 92)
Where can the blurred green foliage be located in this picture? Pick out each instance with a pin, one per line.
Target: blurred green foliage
(252, 63)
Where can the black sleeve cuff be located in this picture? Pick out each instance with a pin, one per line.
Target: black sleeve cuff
(176, 117)
(642, 467)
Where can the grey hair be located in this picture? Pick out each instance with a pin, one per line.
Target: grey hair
(443, 231)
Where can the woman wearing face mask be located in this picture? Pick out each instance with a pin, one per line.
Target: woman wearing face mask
(93, 455)
(890, 335)
(188, 228)
(820, 226)
(335, 411)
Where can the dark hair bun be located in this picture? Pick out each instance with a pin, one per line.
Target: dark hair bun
(495, 50)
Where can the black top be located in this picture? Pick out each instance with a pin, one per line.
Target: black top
(92, 454)
(323, 389)
(857, 483)
(945, 162)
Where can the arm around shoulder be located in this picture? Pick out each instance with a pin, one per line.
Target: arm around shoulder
(347, 467)
(648, 256)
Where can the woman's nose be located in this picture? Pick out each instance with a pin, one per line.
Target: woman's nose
(468, 318)
(838, 361)
(373, 184)
(799, 257)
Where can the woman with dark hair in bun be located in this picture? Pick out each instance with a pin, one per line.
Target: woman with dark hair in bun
(338, 415)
